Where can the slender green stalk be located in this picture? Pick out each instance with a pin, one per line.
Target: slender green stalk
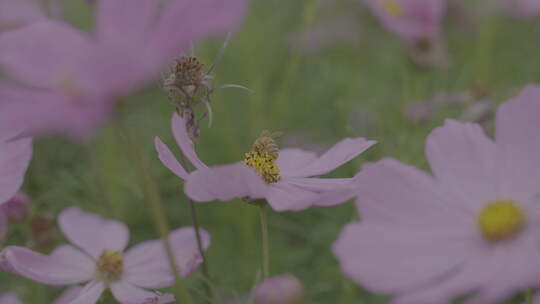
(529, 296)
(158, 212)
(265, 257)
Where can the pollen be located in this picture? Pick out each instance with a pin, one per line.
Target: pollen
(501, 220)
(110, 266)
(393, 8)
(263, 157)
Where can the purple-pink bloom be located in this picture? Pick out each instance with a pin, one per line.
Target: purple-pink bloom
(416, 21)
(9, 298)
(97, 258)
(15, 157)
(285, 178)
(470, 229)
(283, 289)
(17, 13)
(71, 79)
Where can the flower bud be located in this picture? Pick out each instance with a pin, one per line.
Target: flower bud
(16, 209)
(284, 289)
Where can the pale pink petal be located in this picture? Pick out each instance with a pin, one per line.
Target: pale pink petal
(68, 295)
(319, 184)
(90, 294)
(518, 145)
(390, 191)
(146, 264)
(43, 53)
(339, 154)
(286, 197)
(389, 259)
(9, 298)
(15, 157)
(333, 198)
(185, 21)
(168, 159)
(17, 13)
(478, 269)
(92, 233)
(126, 293)
(126, 22)
(291, 159)
(225, 183)
(69, 266)
(184, 142)
(462, 158)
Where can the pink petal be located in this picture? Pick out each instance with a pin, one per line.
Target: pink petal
(291, 159)
(168, 159)
(319, 184)
(125, 22)
(9, 298)
(42, 53)
(15, 157)
(64, 267)
(39, 112)
(69, 295)
(184, 21)
(462, 158)
(225, 183)
(339, 154)
(90, 294)
(287, 197)
(393, 192)
(92, 233)
(17, 13)
(518, 145)
(126, 293)
(146, 264)
(184, 142)
(388, 259)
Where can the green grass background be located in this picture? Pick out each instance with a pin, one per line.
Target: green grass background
(340, 90)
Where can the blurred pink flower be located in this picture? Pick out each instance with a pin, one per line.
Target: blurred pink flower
(285, 180)
(526, 9)
(471, 229)
(9, 298)
(97, 258)
(415, 21)
(284, 289)
(72, 79)
(17, 13)
(15, 157)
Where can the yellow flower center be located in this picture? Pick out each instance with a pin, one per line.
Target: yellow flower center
(393, 8)
(110, 266)
(263, 157)
(501, 220)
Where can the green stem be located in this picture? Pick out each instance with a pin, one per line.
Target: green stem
(264, 240)
(158, 212)
(529, 296)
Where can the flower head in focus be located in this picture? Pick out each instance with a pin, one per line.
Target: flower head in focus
(70, 80)
(97, 257)
(283, 289)
(285, 178)
(469, 230)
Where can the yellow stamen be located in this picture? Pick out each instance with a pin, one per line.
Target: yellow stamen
(501, 220)
(110, 266)
(393, 8)
(263, 157)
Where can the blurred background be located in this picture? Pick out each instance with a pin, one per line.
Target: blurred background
(317, 71)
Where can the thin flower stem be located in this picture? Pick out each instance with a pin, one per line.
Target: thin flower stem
(264, 238)
(160, 220)
(529, 296)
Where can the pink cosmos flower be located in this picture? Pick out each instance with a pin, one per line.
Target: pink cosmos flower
(284, 178)
(71, 79)
(15, 157)
(97, 258)
(283, 289)
(471, 229)
(415, 21)
(17, 13)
